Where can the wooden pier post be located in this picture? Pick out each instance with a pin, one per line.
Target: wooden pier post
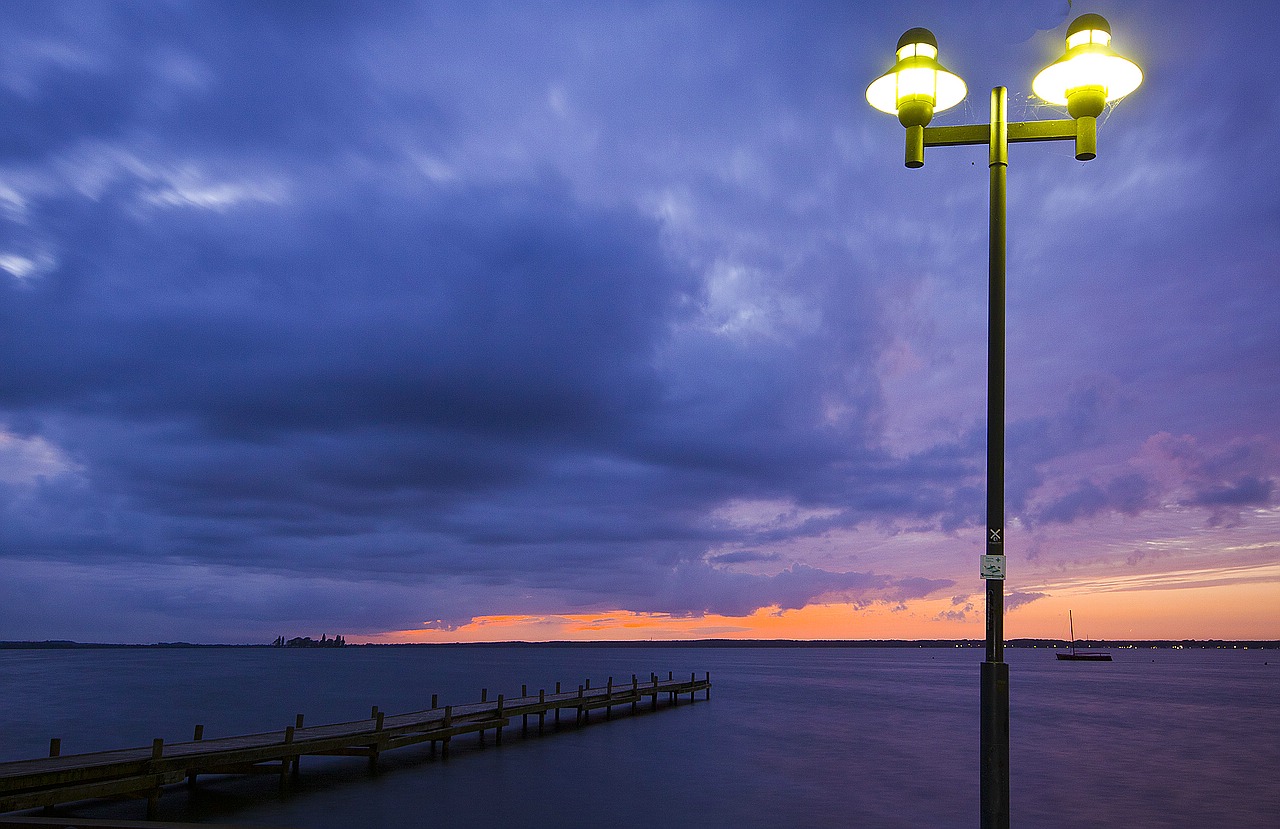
(297, 758)
(376, 748)
(435, 703)
(448, 723)
(286, 762)
(693, 680)
(608, 695)
(524, 724)
(498, 736)
(581, 710)
(542, 713)
(655, 691)
(557, 707)
(196, 737)
(153, 796)
(55, 749)
(635, 692)
(708, 685)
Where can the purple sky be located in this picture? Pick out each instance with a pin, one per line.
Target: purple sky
(325, 319)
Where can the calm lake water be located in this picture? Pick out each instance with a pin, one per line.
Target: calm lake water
(790, 737)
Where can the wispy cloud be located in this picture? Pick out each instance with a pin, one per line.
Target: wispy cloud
(1267, 573)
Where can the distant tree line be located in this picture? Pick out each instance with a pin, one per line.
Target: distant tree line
(307, 642)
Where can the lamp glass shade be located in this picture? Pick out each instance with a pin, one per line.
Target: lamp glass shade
(917, 76)
(1090, 62)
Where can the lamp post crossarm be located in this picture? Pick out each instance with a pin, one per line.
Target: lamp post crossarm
(1019, 131)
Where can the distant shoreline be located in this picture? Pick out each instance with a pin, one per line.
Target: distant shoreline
(1116, 644)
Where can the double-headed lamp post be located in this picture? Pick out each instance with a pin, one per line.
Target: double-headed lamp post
(1084, 79)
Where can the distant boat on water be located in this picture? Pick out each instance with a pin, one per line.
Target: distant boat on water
(1081, 656)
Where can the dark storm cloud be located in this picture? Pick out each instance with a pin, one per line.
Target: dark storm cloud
(1030, 442)
(697, 589)
(1248, 491)
(743, 557)
(533, 300)
(503, 327)
(212, 78)
(1127, 494)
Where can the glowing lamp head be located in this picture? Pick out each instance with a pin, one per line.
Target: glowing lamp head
(1090, 74)
(917, 86)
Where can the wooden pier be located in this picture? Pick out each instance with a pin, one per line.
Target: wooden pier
(144, 772)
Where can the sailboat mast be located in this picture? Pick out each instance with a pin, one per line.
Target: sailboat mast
(1072, 622)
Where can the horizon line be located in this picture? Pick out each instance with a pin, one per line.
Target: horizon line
(55, 644)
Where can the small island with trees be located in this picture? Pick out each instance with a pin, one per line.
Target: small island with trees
(308, 642)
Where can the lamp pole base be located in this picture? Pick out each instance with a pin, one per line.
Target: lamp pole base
(995, 745)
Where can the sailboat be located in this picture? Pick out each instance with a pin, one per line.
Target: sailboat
(1081, 656)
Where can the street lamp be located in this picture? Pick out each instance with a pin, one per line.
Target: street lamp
(1084, 79)
(915, 88)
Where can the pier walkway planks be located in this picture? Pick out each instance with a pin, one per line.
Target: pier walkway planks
(145, 771)
(30, 822)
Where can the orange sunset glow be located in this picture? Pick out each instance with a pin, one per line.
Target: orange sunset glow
(1179, 613)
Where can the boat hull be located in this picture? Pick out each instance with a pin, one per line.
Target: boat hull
(1085, 657)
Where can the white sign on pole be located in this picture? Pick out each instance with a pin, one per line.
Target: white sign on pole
(993, 567)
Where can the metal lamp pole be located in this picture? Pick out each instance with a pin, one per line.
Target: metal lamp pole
(994, 701)
(1085, 78)
(994, 727)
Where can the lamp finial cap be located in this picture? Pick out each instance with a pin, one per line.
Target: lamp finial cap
(919, 35)
(1086, 22)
